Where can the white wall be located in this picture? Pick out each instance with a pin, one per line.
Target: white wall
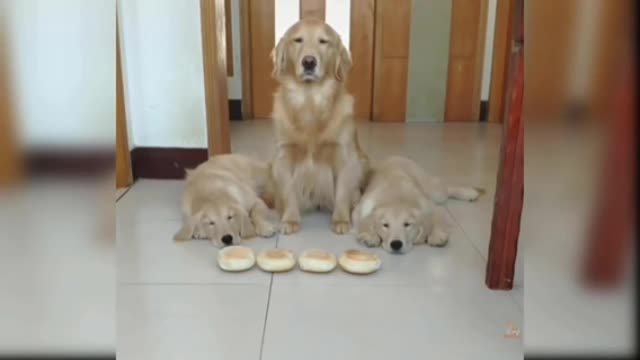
(63, 69)
(162, 56)
(337, 14)
(488, 50)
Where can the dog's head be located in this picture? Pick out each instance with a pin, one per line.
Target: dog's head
(222, 222)
(399, 227)
(310, 51)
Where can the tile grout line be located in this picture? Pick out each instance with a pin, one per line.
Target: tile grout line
(266, 312)
(464, 232)
(511, 292)
(217, 283)
(124, 193)
(266, 318)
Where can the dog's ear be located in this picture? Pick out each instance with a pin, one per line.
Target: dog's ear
(424, 224)
(343, 63)
(190, 227)
(279, 58)
(366, 232)
(246, 226)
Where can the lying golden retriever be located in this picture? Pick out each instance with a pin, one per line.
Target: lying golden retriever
(318, 162)
(221, 201)
(396, 209)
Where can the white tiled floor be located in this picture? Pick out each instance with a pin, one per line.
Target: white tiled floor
(174, 303)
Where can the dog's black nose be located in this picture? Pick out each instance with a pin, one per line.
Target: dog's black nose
(227, 239)
(309, 62)
(396, 245)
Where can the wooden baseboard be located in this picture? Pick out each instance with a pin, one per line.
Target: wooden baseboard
(484, 111)
(165, 163)
(68, 162)
(235, 109)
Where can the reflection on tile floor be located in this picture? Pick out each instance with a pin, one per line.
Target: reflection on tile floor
(174, 303)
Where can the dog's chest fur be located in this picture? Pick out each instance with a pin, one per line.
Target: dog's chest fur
(311, 104)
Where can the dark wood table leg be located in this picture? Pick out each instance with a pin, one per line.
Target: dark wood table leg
(505, 227)
(610, 239)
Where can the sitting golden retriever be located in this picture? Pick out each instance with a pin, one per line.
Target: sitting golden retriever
(221, 201)
(318, 162)
(396, 209)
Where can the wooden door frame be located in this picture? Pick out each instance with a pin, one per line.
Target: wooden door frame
(228, 29)
(212, 20)
(124, 176)
(11, 171)
(360, 80)
(246, 56)
(501, 52)
(10, 155)
(313, 9)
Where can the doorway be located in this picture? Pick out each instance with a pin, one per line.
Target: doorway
(378, 34)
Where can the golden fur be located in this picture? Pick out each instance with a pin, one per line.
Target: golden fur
(318, 162)
(397, 205)
(222, 198)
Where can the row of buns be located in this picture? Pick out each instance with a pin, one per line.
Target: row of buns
(241, 258)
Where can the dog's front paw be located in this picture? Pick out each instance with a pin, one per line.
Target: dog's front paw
(340, 227)
(438, 238)
(265, 229)
(177, 238)
(184, 234)
(471, 194)
(368, 239)
(290, 227)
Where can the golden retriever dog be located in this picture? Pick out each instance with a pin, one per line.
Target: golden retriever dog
(318, 162)
(396, 210)
(221, 201)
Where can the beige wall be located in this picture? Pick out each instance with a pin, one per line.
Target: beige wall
(428, 60)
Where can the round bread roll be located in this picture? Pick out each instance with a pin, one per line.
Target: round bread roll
(236, 258)
(318, 261)
(359, 262)
(276, 260)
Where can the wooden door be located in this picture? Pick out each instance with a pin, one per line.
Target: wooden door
(261, 23)
(392, 30)
(466, 55)
(123, 158)
(214, 60)
(259, 39)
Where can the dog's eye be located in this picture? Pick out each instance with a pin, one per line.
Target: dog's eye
(298, 39)
(407, 224)
(211, 223)
(229, 217)
(385, 225)
(324, 41)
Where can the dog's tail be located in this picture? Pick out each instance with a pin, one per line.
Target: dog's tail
(465, 193)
